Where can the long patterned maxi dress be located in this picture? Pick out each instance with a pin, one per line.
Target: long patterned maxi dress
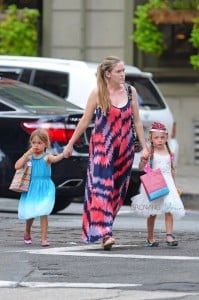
(110, 160)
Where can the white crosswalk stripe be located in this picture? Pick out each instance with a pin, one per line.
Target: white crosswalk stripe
(66, 285)
(84, 252)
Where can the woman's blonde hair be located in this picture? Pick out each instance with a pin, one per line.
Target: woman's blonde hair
(107, 64)
(42, 135)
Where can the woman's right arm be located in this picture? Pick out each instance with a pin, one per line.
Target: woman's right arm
(83, 123)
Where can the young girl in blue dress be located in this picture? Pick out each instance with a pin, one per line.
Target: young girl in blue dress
(39, 200)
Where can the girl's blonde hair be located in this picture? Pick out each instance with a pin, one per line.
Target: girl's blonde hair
(160, 127)
(42, 135)
(107, 64)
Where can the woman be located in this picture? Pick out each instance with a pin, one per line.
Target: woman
(111, 150)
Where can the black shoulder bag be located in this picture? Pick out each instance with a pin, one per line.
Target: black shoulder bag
(137, 144)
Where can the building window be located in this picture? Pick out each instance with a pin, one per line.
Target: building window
(25, 3)
(179, 48)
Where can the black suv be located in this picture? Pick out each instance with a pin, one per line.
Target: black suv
(24, 108)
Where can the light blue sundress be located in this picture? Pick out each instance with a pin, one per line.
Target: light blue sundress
(40, 198)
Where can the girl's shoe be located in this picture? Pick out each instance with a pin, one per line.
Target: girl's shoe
(152, 244)
(27, 241)
(171, 243)
(45, 243)
(108, 242)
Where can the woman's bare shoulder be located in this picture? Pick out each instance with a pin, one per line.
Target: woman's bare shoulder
(94, 92)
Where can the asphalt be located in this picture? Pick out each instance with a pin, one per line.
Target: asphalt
(187, 180)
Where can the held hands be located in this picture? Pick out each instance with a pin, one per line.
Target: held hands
(145, 154)
(67, 151)
(144, 158)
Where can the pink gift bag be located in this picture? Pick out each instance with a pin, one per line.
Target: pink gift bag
(154, 184)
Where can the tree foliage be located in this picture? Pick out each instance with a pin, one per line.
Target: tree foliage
(194, 39)
(19, 31)
(147, 36)
(150, 39)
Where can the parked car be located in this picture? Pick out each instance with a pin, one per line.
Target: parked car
(73, 81)
(24, 108)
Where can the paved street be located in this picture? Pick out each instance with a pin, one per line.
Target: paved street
(69, 269)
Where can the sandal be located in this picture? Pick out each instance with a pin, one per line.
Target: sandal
(172, 243)
(108, 242)
(152, 244)
(28, 240)
(45, 243)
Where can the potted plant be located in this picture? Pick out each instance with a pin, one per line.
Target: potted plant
(147, 36)
(194, 39)
(19, 31)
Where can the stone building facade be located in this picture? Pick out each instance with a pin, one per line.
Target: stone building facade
(92, 29)
(87, 29)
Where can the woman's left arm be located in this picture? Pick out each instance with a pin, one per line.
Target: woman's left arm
(138, 123)
(51, 159)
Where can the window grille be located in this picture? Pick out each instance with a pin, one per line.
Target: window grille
(196, 141)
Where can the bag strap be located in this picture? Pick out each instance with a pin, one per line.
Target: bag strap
(148, 167)
(129, 91)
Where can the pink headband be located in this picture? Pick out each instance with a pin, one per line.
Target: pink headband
(156, 126)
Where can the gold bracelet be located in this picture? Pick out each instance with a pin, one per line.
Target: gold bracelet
(25, 156)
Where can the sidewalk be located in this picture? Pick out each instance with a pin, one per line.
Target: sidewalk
(187, 180)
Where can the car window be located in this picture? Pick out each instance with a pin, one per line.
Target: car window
(4, 107)
(27, 96)
(54, 82)
(25, 75)
(148, 95)
(11, 73)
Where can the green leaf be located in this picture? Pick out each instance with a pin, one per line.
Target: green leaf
(18, 32)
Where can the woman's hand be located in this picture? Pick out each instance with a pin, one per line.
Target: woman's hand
(68, 150)
(145, 154)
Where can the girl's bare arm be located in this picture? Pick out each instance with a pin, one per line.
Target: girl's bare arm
(23, 159)
(51, 159)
